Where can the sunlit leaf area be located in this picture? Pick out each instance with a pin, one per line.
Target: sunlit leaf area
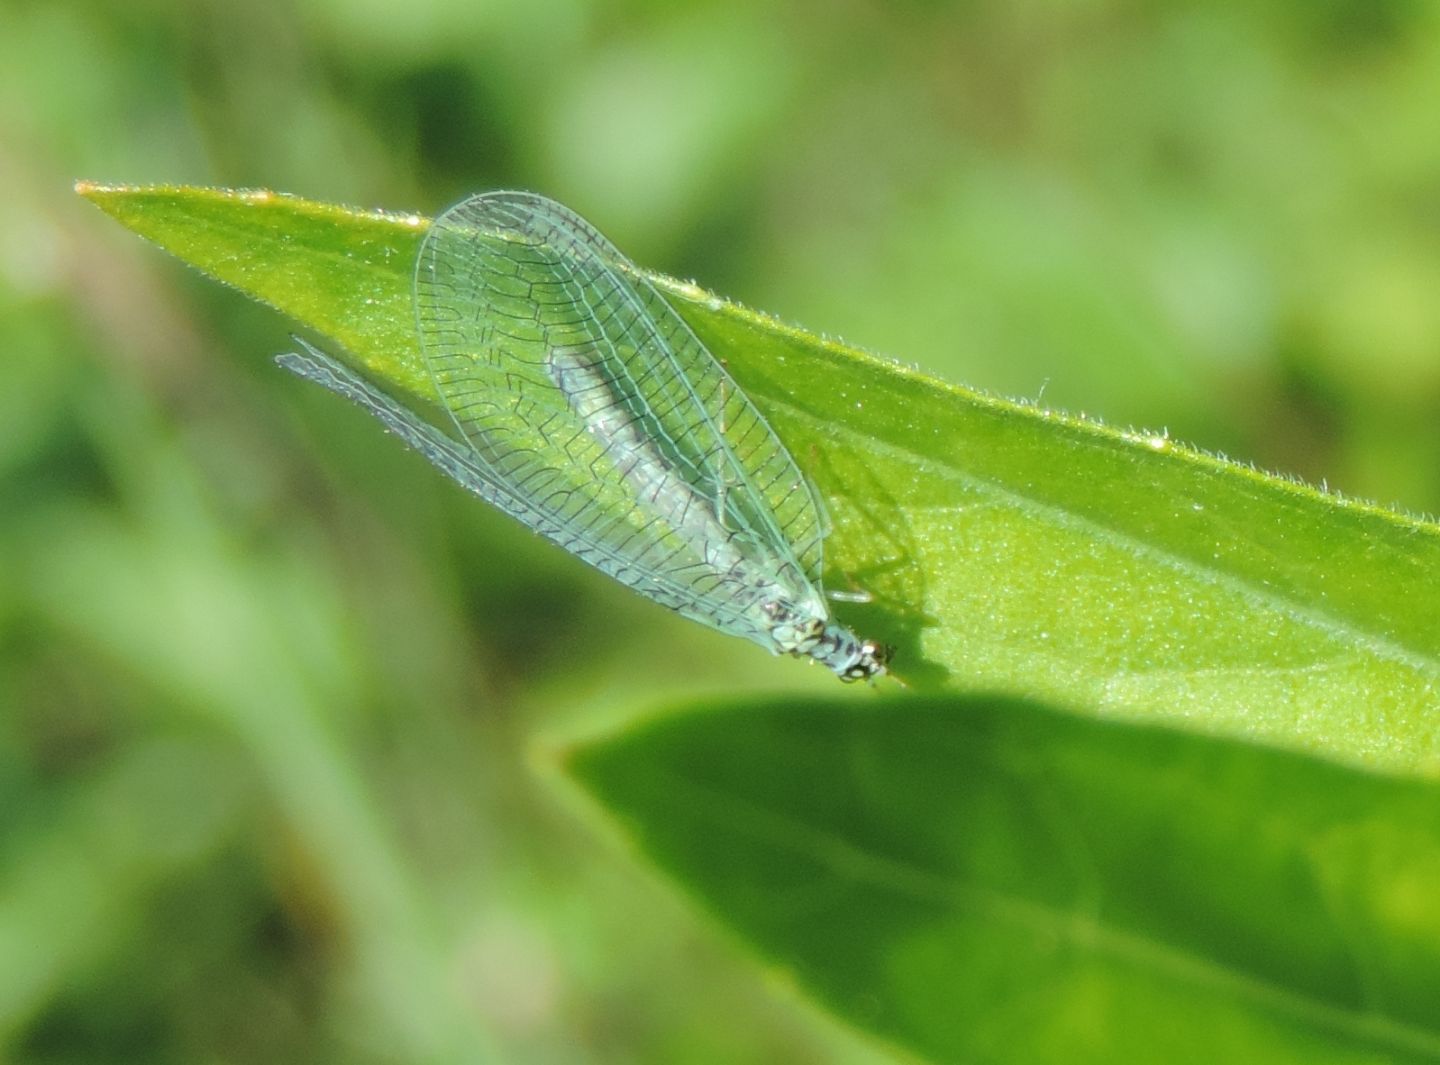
(1108, 337)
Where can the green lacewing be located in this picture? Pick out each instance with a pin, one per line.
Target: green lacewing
(583, 405)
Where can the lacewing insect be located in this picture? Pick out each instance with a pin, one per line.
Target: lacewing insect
(583, 405)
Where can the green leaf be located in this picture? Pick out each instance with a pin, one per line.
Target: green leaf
(986, 880)
(1008, 548)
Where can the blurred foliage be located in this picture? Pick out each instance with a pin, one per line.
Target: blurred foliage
(266, 696)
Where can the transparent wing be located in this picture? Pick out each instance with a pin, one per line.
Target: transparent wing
(458, 461)
(583, 393)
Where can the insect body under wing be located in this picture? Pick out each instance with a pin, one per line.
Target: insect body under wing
(506, 280)
(564, 367)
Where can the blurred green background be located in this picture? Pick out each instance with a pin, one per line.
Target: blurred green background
(275, 700)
